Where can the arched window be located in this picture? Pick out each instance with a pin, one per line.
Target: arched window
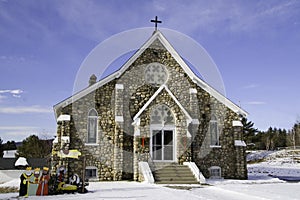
(214, 131)
(162, 115)
(92, 126)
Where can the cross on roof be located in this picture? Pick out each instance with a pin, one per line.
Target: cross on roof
(156, 22)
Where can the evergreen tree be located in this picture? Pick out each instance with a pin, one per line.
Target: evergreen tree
(10, 145)
(248, 131)
(258, 141)
(33, 147)
(293, 138)
(296, 129)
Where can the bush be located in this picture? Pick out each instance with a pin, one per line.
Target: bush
(9, 189)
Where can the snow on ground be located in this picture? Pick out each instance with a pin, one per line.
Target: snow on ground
(284, 163)
(134, 190)
(8, 175)
(260, 184)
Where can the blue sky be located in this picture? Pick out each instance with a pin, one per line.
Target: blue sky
(255, 44)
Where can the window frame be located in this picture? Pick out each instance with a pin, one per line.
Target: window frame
(92, 178)
(156, 76)
(216, 135)
(215, 172)
(95, 118)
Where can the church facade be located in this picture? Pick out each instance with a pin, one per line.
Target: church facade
(154, 109)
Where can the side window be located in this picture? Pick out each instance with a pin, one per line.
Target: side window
(214, 131)
(215, 172)
(92, 126)
(91, 173)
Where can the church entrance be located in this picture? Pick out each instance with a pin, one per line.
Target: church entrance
(162, 142)
(162, 130)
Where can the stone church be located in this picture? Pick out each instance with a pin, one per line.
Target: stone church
(153, 110)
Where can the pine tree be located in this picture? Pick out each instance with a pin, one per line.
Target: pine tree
(10, 145)
(33, 147)
(249, 131)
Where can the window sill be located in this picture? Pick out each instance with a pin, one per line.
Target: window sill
(91, 144)
(216, 177)
(93, 179)
(215, 146)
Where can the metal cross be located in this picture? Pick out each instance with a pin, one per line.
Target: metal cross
(156, 22)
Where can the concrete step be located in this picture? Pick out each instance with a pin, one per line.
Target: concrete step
(174, 174)
(176, 182)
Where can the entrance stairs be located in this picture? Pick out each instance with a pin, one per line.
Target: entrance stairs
(173, 174)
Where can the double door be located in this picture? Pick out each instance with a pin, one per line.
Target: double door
(162, 145)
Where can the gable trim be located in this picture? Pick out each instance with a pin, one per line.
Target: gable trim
(189, 118)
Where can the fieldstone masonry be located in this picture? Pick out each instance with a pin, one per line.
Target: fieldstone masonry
(123, 142)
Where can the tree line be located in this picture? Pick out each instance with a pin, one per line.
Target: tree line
(272, 139)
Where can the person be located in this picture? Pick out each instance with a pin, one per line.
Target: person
(34, 182)
(25, 176)
(43, 183)
(61, 174)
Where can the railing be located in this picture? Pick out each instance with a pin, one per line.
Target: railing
(150, 162)
(146, 171)
(195, 170)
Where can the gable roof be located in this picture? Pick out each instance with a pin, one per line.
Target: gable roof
(160, 89)
(157, 35)
(155, 95)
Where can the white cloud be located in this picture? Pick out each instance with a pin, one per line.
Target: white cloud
(227, 16)
(18, 128)
(2, 98)
(251, 86)
(255, 103)
(25, 110)
(16, 96)
(15, 93)
(19, 133)
(16, 136)
(262, 15)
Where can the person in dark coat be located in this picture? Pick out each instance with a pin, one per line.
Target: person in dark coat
(43, 183)
(25, 181)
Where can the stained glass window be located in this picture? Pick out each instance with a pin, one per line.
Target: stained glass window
(214, 131)
(92, 126)
(162, 115)
(156, 74)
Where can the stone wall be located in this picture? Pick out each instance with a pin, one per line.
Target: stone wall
(117, 147)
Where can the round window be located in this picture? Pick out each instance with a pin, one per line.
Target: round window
(156, 74)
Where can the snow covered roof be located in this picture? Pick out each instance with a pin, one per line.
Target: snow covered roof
(21, 162)
(9, 153)
(239, 143)
(160, 37)
(63, 118)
